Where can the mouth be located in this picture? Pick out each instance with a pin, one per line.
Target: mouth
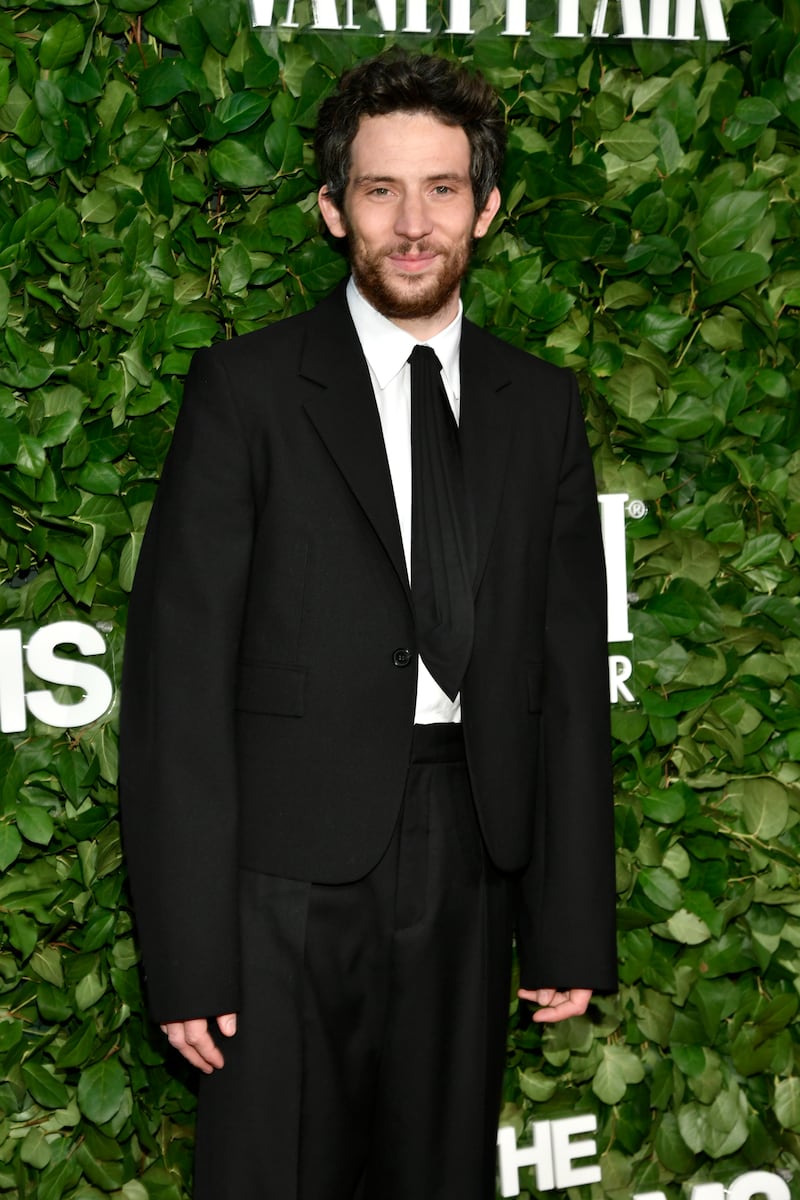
(412, 263)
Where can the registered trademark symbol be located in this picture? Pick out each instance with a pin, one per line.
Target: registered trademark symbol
(637, 509)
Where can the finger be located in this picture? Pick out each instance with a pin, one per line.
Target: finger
(544, 996)
(193, 1040)
(565, 1004)
(227, 1024)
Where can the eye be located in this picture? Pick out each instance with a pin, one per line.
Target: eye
(442, 189)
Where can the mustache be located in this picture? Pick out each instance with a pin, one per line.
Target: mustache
(423, 246)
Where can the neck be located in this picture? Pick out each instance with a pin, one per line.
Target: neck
(424, 328)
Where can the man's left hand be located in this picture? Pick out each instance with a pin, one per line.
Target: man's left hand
(555, 1005)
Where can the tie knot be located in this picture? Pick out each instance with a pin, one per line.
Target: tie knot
(426, 357)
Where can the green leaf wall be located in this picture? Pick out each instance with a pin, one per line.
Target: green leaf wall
(156, 194)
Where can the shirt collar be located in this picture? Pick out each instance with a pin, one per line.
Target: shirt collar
(387, 347)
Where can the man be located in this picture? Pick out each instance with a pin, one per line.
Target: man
(342, 786)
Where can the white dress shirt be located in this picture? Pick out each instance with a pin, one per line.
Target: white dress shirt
(387, 348)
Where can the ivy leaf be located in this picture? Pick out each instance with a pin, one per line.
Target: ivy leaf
(241, 110)
(670, 1147)
(536, 1086)
(756, 110)
(98, 207)
(23, 933)
(762, 548)
(46, 962)
(704, 1128)
(619, 1067)
(61, 43)
(10, 845)
(665, 807)
(219, 23)
(625, 294)
(235, 162)
(729, 221)
(190, 329)
(631, 142)
(35, 1149)
(31, 456)
(787, 1103)
(687, 927)
(791, 75)
(660, 887)
(59, 1176)
(100, 1090)
(633, 391)
(45, 1088)
(764, 805)
(78, 1048)
(235, 269)
(35, 824)
(9, 441)
(144, 144)
(283, 146)
(731, 274)
(88, 991)
(168, 79)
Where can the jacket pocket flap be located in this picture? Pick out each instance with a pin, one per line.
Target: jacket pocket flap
(535, 677)
(271, 689)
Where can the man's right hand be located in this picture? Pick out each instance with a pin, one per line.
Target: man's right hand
(193, 1040)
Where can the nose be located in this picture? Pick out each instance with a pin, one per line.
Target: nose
(412, 217)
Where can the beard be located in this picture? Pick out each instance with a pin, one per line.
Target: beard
(409, 296)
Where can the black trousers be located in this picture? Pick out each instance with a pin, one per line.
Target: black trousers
(371, 1042)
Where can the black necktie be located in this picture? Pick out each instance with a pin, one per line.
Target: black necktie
(442, 537)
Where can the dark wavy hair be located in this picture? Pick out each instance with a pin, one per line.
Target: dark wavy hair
(418, 83)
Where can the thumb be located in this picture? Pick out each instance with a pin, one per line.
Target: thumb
(227, 1024)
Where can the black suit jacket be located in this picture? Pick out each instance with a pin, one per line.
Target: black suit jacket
(268, 696)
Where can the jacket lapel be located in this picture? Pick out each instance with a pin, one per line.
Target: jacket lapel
(345, 416)
(485, 432)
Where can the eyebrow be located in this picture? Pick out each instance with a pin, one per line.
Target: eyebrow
(438, 177)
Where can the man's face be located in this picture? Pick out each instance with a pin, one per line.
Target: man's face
(409, 216)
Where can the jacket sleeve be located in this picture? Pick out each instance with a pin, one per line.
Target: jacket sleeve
(566, 897)
(178, 764)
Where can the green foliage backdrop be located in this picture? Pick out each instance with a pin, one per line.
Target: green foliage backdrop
(155, 195)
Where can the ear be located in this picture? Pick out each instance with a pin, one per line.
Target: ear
(486, 217)
(331, 214)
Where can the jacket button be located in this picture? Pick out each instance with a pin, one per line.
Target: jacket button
(401, 657)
